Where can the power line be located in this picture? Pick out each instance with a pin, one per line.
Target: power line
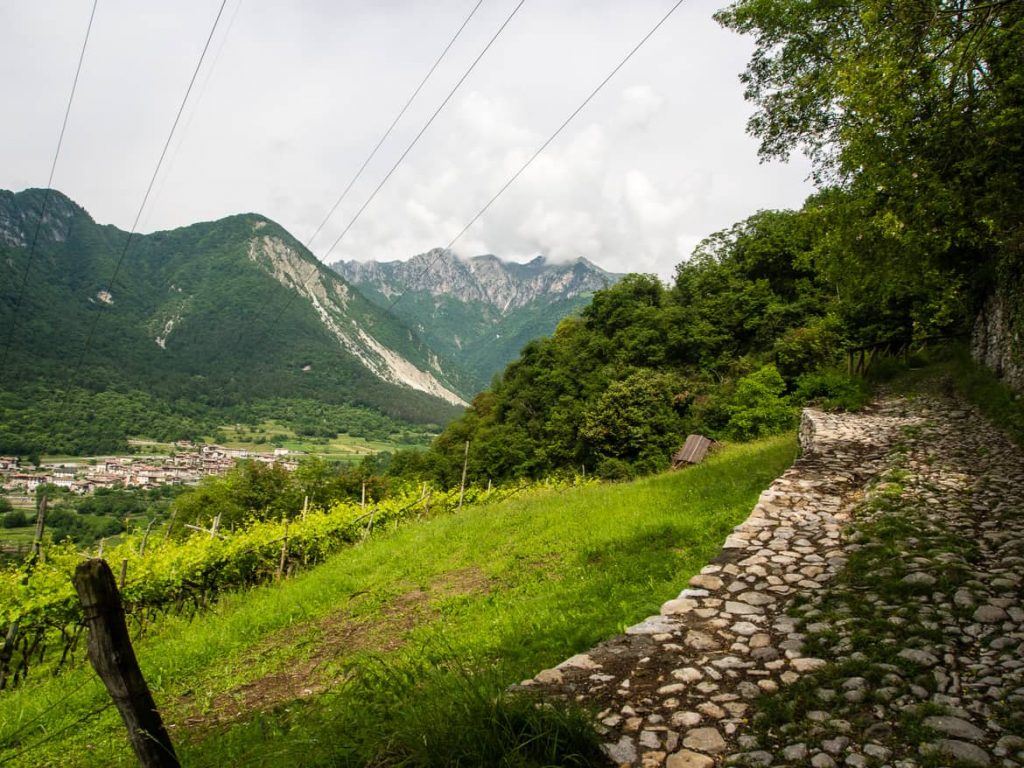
(46, 195)
(423, 130)
(540, 149)
(145, 198)
(162, 184)
(394, 122)
(316, 269)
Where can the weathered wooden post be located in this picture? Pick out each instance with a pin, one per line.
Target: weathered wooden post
(37, 539)
(284, 554)
(124, 573)
(465, 466)
(145, 537)
(113, 658)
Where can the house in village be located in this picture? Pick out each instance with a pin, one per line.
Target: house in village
(64, 476)
(26, 481)
(104, 480)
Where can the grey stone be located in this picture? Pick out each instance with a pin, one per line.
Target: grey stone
(990, 614)
(622, 751)
(955, 728)
(919, 579)
(963, 751)
(688, 759)
(917, 656)
(705, 740)
(795, 752)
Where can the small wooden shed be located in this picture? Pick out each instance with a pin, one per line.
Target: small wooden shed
(693, 451)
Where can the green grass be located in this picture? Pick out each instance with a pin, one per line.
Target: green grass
(20, 535)
(340, 448)
(409, 639)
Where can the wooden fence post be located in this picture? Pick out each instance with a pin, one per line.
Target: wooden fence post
(465, 466)
(145, 537)
(124, 573)
(113, 658)
(284, 553)
(37, 539)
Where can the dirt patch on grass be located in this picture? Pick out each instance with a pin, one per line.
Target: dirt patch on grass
(333, 637)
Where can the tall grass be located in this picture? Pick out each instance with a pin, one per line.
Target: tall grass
(411, 638)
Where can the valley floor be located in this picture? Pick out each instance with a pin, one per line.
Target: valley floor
(398, 650)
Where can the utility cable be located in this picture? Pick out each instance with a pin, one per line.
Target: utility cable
(423, 130)
(315, 271)
(145, 199)
(394, 122)
(538, 152)
(183, 133)
(46, 196)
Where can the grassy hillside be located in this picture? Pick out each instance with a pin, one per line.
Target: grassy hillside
(395, 652)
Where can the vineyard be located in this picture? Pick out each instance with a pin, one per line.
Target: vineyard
(161, 574)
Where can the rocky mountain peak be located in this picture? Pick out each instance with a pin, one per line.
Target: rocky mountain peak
(486, 279)
(19, 216)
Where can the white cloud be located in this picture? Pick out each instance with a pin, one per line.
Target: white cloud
(300, 93)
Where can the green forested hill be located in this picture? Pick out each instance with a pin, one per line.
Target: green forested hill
(201, 321)
(478, 312)
(911, 115)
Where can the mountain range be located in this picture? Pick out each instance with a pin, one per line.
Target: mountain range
(217, 316)
(478, 312)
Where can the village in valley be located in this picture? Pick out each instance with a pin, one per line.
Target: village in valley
(187, 464)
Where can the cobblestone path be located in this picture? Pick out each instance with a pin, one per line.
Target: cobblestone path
(868, 613)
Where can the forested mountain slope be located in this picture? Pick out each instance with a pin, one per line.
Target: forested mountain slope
(203, 318)
(478, 311)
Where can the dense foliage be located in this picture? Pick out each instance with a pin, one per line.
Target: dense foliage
(194, 333)
(912, 114)
(618, 388)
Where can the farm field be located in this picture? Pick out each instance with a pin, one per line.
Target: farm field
(396, 651)
(341, 448)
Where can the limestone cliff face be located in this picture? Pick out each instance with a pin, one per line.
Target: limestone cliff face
(504, 285)
(997, 338)
(329, 297)
(477, 312)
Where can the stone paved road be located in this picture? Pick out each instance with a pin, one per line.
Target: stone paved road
(684, 689)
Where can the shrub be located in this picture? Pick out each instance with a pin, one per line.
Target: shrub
(832, 390)
(15, 519)
(614, 469)
(803, 349)
(758, 406)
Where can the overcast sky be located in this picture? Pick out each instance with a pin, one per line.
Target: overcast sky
(294, 94)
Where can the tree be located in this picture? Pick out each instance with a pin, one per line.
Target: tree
(758, 406)
(911, 111)
(635, 420)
